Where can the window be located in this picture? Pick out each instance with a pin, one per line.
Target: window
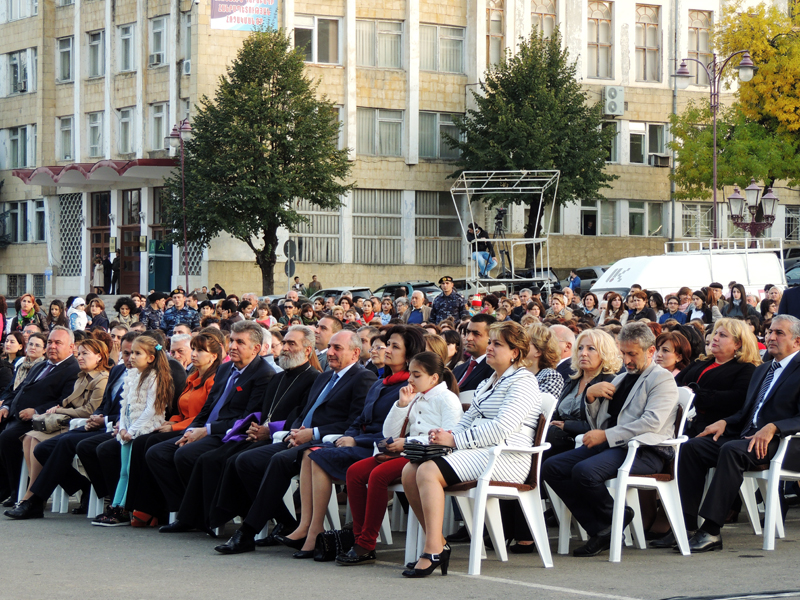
(696, 220)
(551, 218)
(186, 107)
(158, 125)
(17, 285)
(18, 72)
(792, 226)
(319, 37)
(40, 224)
(441, 48)
(158, 42)
(436, 228)
(432, 144)
(127, 48)
(65, 2)
(20, 9)
(613, 149)
(379, 44)
(38, 285)
(126, 116)
(607, 217)
(700, 23)
(494, 31)
(18, 221)
(600, 46)
(65, 150)
(317, 237)
(187, 41)
(377, 227)
(21, 147)
(648, 43)
(645, 219)
(97, 58)
(95, 123)
(64, 63)
(645, 139)
(380, 132)
(543, 17)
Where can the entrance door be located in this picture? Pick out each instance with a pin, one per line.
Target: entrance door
(129, 259)
(99, 230)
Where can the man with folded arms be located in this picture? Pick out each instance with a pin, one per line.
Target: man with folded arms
(641, 405)
(264, 474)
(743, 441)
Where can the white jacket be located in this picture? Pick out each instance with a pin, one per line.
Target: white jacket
(438, 407)
(137, 414)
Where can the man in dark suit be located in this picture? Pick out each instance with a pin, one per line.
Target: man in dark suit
(566, 342)
(56, 454)
(336, 399)
(470, 374)
(790, 302)
(47, 384)
(745, 440)
(238, 390)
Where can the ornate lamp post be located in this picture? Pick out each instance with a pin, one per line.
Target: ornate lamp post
(714, 71)
(769, 204)
(180, 133)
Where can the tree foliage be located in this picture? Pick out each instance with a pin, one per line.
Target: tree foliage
(531, 113)
(262, 143)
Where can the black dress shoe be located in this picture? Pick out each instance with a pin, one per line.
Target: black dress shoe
(9, 502)
(668, 541)
(627, 518)
(352, 558)
(703, 541)
(303, 554)
(289, 542)
(175, 527)
(522, 548)
(26, 510)
(595, 545)
(459, 537)
(238, 544)
(270, 539)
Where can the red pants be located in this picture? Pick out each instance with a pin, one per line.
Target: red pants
(367, 490)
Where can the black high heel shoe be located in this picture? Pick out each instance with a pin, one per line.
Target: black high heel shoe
(287, 541)
(442, 559)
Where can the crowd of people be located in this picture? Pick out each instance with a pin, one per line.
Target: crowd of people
(209, 409)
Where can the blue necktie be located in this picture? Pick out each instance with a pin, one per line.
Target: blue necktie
(320, 400)
(762, 393)
(45, 372)
(224, 396)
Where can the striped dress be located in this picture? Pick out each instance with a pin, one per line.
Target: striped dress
(504, 409)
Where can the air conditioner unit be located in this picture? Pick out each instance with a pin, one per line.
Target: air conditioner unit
(659, 160)
(21, 86)
(614, 100)
(187, 67)
(156, 59)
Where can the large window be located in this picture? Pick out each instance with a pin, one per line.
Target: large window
(613, 148)
(379, 44)
(18, 221)
(317, 237)
(648, 43)
(94, 123)
(158, 125)
(377, 227)
(39, 226)
(158, 42)
(697, 220)
(645, 219)
(64, 62)
(319, 37)
(125, 139)
(17, 285)
(186, 42)
(127, 48)
(600, 41)
(441, 48)
(21, 71)
(97, 54)
(543, 17)
(494, 31)
(646, 139)
(380, 132)
(432, 144)
(65, 143)
(604, 223)
(792, 226)
(20, 9)
(21, 147)
(700, 23)
(437, 231)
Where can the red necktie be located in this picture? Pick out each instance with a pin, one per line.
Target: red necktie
(471, 366)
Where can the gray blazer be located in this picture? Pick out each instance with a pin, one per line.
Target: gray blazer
(648, 414)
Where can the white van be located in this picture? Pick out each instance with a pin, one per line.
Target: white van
(668, 273)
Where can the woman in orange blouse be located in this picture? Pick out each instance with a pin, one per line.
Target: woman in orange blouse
(145, 500)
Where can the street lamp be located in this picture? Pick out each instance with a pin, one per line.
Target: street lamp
(182, 132)
(769, 204)
(714, 71)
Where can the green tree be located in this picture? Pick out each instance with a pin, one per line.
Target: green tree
(264, 142)
(531, 113)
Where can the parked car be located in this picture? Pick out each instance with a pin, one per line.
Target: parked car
(356, 292)
(430, 289)
(793, 276)
(588, 275)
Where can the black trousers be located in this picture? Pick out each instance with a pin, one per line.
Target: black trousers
(731, 459)
(11, 454)
(55, 456)
(144, 493)
(172, 466)
(100, 457)
(578, 477)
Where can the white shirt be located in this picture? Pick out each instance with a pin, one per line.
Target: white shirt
(777, 375)
(339, 376)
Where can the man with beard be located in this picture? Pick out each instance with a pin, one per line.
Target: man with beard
(286, 394)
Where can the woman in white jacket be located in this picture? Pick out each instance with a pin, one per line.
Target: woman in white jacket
(430, 400)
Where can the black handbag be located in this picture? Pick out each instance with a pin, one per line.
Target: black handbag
(417, 452)
(330, 544)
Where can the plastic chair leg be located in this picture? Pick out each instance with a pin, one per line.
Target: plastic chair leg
(671, 501)
(531, 508)
(23, 481)
(494, 523)
(386, 530)
(748, 494)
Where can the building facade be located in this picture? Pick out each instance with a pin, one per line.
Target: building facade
(90, 88)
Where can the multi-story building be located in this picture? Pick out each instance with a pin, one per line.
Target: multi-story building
(90, 88)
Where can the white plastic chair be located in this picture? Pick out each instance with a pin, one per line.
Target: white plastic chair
(479, 500)
(626, 485)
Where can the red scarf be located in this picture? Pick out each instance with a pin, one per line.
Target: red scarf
(396, 378)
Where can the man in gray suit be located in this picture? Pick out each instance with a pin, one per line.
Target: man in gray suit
(641, 405)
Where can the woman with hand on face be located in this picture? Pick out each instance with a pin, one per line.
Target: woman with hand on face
(505, 409)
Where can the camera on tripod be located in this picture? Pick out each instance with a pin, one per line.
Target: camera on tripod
(500, 215)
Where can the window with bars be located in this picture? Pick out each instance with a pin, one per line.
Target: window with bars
(648, 43)
(432, 127)
(543, 17)
(16, 285)
(195, 259)
(69, 228)
(645, 219)
(436, 229)
(377, 227)
(600, 41)
(38, 285)
(792, 224)
(317, 238)
(494, 31)
(441, 48)
(380, 132)
(700, 24)
(697, 220)
(379, 44)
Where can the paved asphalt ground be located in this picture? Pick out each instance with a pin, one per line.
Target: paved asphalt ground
(63, 556)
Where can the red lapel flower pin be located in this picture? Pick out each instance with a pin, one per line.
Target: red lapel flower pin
(238, 388)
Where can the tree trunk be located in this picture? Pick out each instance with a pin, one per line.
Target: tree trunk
(266, 259)
(532, 230)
